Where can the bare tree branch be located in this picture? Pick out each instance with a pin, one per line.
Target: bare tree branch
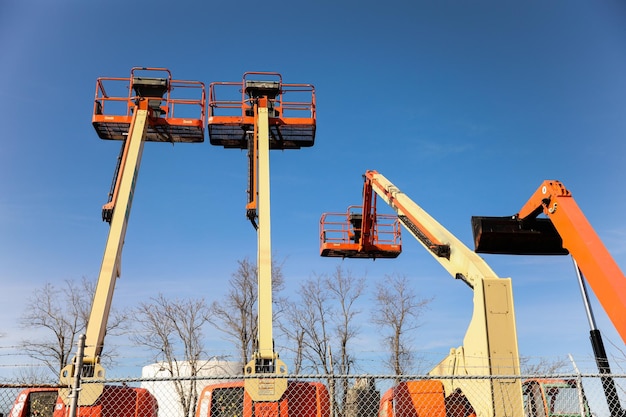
(236, 315)
(61, 314)
(397, 312)
(173, 330)
(345, 290)
(543, 366)
(320, 326)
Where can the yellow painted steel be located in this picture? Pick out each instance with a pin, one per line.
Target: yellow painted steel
(264, 234)
(111, 264)
(490, 343)
(265, 389)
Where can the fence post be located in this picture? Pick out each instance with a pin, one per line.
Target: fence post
(77, 374)
(579, 388)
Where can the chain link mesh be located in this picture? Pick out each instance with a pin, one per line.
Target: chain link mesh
(330, 396)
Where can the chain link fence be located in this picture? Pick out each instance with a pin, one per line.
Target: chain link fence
(564, 395)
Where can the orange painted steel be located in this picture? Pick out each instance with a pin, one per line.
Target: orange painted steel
(341, 235)
(580, 239)
(180, 115)
(415, 399)
(302, 399)
(361, 232)
(119, 401)
(292, 123)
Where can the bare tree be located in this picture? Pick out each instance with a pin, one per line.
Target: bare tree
(62, 314)
(294, 334)
(311, 322)
(322, 321)
(172, 329)
(310, 317)
(236, 314)
(345, 290)
(397, 312)
(322, 324)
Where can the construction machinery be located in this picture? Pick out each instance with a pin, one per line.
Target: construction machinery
(261, 113)
(115, 400)
(415, 399)
(490, 344)
(563, 230)
(551, 397)
(148, 106)
(151, 111)
(39, 402)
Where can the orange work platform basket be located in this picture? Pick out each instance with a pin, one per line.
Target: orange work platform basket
(342, 235)
(177, 109)
(291, 111)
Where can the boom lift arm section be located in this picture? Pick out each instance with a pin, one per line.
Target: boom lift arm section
(565, 230)
(233, 120)
(490, 343)
(149, 116)
(577, 236)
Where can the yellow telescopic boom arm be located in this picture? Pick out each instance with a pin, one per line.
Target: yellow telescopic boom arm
(111, 262)
(490, 343)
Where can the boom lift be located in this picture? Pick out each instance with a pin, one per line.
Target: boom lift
(152, 113)
(490, 343)
(147, 108)
(564, 230)
(260, 118)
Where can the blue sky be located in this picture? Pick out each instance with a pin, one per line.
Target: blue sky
(466, 106)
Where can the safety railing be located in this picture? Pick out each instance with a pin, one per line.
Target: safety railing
(179, 114)
(341, 234)
(292, 113)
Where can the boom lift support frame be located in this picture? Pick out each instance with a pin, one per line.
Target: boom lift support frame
(148, 116)
(490, 343)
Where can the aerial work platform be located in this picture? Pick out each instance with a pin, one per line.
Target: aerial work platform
(291, 110)
(177, 108)
(343, 235)
(254, 114)
(361, 232)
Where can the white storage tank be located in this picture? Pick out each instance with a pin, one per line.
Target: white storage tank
(169, 383)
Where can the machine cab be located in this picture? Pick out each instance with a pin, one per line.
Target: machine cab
(229, 399)
(37, 402)
(554, 397)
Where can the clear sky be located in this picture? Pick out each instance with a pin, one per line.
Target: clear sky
(466, 106)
